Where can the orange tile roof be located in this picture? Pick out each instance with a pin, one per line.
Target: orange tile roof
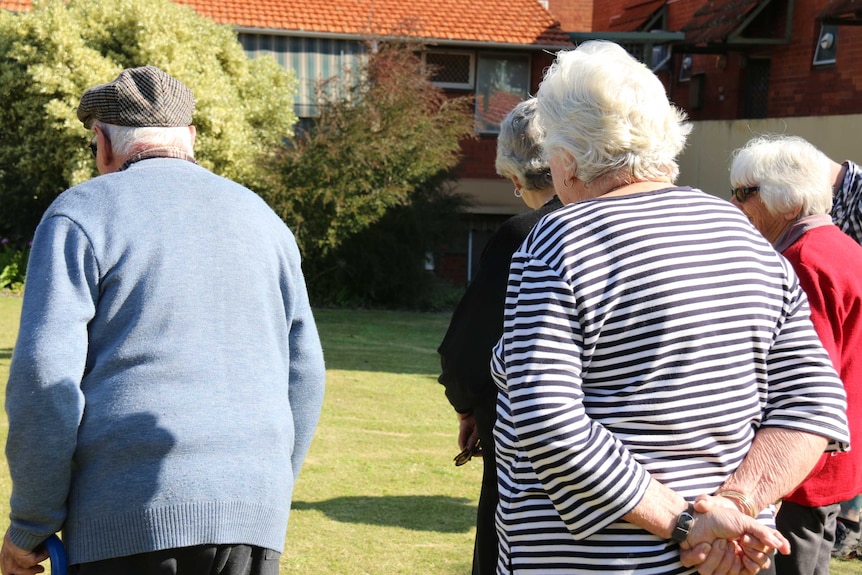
(497, 21)
(523, 22)
(15, 5)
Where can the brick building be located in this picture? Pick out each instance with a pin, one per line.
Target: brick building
(734, 59)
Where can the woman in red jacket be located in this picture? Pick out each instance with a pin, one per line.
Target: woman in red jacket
(782, 184)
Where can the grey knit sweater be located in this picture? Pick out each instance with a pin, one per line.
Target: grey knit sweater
(168, 374)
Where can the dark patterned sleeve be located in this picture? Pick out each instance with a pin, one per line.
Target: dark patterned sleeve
(847, 203)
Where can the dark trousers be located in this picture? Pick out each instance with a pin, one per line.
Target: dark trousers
(811, 532)
(485, 549)
(197, 560)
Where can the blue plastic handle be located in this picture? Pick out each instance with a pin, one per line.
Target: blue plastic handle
(57, 554)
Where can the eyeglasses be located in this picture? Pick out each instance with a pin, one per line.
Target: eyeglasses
(93, 148)
(741, 194)
(468, 454)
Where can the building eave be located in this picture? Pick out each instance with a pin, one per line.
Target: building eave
(476, 44)
(662, 37)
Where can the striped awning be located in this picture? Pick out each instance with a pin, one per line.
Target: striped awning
(321, 65)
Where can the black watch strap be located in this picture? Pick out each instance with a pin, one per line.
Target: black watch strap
(683, 524)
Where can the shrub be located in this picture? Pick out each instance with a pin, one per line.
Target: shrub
(13, 266)
(54, 52)
(384, 264)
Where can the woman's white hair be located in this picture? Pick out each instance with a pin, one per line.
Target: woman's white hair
(792, 174)
(611, 114)
(127, 141)
(519, 149)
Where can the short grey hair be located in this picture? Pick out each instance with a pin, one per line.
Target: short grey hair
(127, 140)
(519, 148)
(611, 114)
(792, 174)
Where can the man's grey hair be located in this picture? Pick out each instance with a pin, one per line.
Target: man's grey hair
(127, 141)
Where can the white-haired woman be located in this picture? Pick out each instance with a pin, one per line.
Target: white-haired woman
(476, 324)
(782, 183)
(655, 350)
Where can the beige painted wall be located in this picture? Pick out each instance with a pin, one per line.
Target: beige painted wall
(705, 163)
(489, 196)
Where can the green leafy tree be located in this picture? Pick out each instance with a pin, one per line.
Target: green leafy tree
(54, 52)
(365, 188)
(376, 142)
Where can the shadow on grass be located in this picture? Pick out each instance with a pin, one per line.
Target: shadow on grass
(6, 353)
(437, 513)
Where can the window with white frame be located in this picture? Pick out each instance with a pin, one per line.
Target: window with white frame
(450, 69)
(501, 82)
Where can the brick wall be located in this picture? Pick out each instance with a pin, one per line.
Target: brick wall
(479, 156)
(538, 65)
(602, 12)
(452, 268)
(573, 15)
(796, 87)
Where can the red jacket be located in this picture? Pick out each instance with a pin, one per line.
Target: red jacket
(829, 266)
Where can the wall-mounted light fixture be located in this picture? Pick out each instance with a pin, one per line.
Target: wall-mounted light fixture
(685, 68)
(826, 51)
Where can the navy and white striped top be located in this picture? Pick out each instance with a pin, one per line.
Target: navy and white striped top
(649, 334)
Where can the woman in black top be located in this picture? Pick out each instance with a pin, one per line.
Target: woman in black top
(477, 322)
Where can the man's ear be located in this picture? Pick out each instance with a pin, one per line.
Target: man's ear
(194, 132)
(103, 145)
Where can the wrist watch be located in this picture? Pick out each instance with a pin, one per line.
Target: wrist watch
(683, 524)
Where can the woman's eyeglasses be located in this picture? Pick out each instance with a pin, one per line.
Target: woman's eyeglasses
(93, 148)
(741, 194)
(468, 454)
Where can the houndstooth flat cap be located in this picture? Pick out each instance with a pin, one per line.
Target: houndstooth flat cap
(139, 97)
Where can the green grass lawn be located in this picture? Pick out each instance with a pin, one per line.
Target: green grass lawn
(379, 494)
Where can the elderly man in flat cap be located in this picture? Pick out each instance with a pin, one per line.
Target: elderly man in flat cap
(168, 374)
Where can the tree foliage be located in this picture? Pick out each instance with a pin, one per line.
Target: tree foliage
(383, 265)
(54, 52)
(377, 142)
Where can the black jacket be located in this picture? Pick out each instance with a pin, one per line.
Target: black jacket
(477, 323)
